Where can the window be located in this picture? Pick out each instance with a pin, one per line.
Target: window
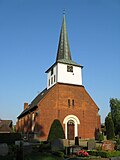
(52, 71)
(54, 78)
(51, 80)
(69, 68)
(68, 102)
(73, 102)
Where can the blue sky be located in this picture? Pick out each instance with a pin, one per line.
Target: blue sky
(29, 34)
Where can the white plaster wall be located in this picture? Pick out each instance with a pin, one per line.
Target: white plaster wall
(74, 77)
(49, 76)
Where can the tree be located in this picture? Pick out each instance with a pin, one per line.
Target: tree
(109, 127)
(115, 113)
(101, 137)
(56, 131)
(14, 128)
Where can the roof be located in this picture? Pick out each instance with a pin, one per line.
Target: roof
(33, 105)
(63, 47)
(69, 62)
(63, 52)
(5, 126)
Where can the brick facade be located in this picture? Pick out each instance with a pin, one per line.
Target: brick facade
(55, 105)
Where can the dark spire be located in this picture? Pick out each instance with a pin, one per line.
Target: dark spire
(63, 52)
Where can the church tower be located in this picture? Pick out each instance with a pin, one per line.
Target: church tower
(64, 70)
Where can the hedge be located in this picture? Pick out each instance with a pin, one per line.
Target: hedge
(9, 138)
(104, 154)
(56, 131)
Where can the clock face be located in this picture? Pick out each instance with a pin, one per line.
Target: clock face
(69, 68)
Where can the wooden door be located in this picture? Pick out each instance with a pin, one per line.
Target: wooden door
(70, 130)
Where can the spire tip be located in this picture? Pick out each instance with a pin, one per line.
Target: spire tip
(63, 11)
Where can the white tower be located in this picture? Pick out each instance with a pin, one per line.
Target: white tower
(64, 70)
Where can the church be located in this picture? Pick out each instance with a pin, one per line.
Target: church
(64, 98)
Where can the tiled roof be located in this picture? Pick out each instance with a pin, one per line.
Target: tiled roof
(5, 126)
(34, 103)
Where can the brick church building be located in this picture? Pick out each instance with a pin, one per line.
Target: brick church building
(64, 98)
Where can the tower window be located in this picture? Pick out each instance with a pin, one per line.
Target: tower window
(52, 71)
(54, 78)
(68, 102)
(51, 80)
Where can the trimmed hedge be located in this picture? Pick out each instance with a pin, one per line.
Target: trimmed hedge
(9, 138)
(56, 131)
(104, 154)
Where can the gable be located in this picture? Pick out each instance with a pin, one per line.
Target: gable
(59, 94)
(5, 126)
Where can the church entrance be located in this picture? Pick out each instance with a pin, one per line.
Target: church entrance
(70, 130)
(71, 127)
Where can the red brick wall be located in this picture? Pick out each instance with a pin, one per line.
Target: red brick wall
(54, 105)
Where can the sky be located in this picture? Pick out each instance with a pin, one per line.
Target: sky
(29, 35)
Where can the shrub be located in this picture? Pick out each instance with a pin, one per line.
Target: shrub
(58, 153)
(109, 127)
(56, 131)
(117, 146)
(105, 154)
(98, 153)
(9, 138)
(99, 148)
(100, 137)
(44, 147)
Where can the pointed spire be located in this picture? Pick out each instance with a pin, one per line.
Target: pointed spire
(63, 52)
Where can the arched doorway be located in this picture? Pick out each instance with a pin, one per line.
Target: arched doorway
(71, 126)
(70, 130)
